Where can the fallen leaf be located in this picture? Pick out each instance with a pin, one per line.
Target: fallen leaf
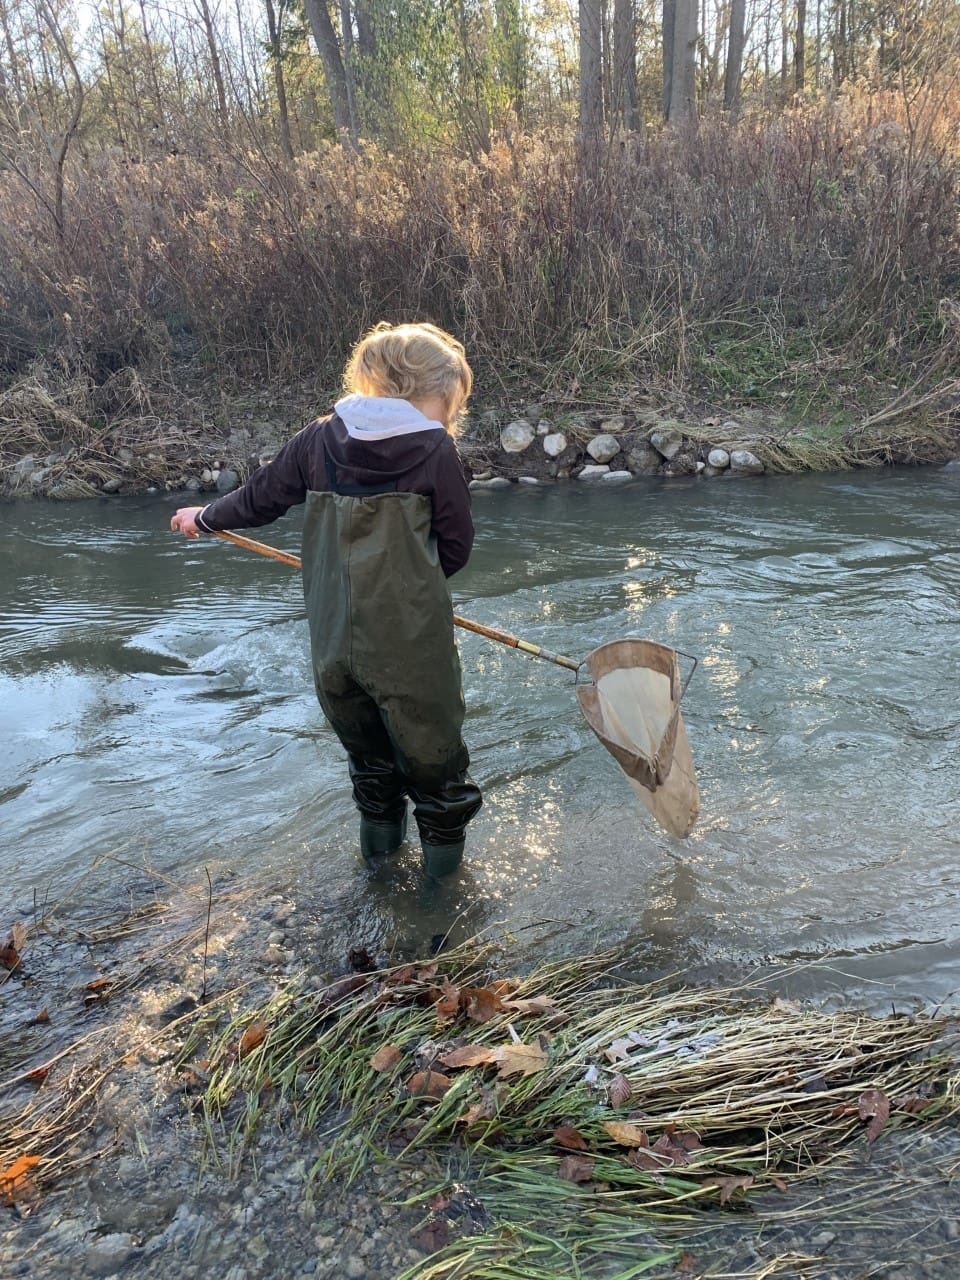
(469, 1055)
(448, 1004)
(434, 1235)
(486, 1109)
(400, 976)
(914, 1103)
(38, 1074)
(361, 961)
(648, 1161)
(620, 1091)
(576, 1168)
(627, 1135)
(42, 1016)
(429, 1084)
(439, 1202)
(729, 1185)
(480, 1004)
(538, 1005)
(15, 1182)
(387, 1056)
(253, 1037)
(337, 992)
(874, 1106)
(780, 1183)
(520, 1059)
(503, 986)
(192, 1079)
(687, 1264)
(790, 1007)
(9, 957)
(18, 936)
(98, 991)
(619, 1051)
(568, 1137)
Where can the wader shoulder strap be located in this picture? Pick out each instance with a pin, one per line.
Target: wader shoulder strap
(353, 490)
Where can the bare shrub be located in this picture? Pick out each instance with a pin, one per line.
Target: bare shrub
(837, 220)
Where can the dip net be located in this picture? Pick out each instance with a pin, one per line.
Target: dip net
(633, 706)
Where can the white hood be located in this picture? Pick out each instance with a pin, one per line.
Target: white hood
(382, 417)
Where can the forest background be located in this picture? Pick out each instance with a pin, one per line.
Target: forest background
(748, 200)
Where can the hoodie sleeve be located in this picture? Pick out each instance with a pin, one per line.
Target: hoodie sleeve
(269, 492)
(452, 521)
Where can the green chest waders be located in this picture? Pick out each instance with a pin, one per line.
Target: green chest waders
(385, 664)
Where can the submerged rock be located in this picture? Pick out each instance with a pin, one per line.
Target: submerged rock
(495, 482)
(593, 472)
(616, 477)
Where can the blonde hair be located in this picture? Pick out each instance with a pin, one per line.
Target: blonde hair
(411, 362)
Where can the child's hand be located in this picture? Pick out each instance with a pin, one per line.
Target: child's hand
(185, 521)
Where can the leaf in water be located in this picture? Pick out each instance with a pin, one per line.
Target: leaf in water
(469, 1055)
(18, 936)
(253, 1037)
(520, 1059)
(874, 1106)
(568, 1137)
(729, 1185)
(42, 1016)
(429, 1084)
(789, 1007)
(387, 1056)
(627, 1135)
(480, 1004)
(38, 1075)
(576, 1168)
(620, 1091)
(9, 957)
(780, 1183)
(15, 1181)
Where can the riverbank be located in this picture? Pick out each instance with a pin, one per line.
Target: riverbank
(184, 1083)
(69, 439)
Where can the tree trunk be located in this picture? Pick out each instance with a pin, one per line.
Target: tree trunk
(350, 66)
(683, 78)
(318, 15)
(734, 68)
(667, 34)
(800, 49)
(591, 70)
(625, 104)
(280, 84)
(210, 32)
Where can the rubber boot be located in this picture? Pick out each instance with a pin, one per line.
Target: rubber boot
(380, 839)
(442, 859)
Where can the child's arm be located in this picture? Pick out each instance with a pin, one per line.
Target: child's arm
(452, 521)
(269, 492)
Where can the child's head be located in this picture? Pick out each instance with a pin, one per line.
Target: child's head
(411, 362)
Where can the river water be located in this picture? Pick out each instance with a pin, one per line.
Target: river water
(158, 713)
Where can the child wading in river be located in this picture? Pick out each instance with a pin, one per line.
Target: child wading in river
(387, 522)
